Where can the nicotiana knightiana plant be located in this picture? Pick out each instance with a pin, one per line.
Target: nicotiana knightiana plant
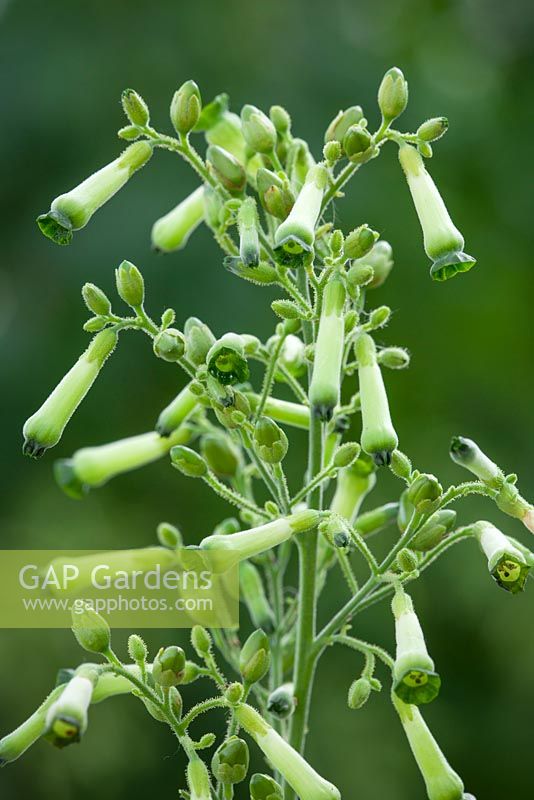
(268, 203)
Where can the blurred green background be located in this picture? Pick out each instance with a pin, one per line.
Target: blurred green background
(63, 66)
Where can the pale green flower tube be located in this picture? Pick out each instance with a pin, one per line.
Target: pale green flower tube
(284, 411)
(506, 563)
(198, 780)
(353, 485)
(172, 231)
(379, 438)
(71, 211)
(66, 719)
(306, 782)
(15, 744)
(45, 428)
(441, 781)
(177, 411)
(442, 240)
(415, 680)
(225, 551)
(94, 466)
(326, 377)
(296, 235)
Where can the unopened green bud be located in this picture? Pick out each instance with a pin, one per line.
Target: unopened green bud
(230, 761)
(169, 345)
(359, 242)
(358, 144)
(407, 560)
(432, 129)
(201, 641)
(90, 629)
(234, 693)
(359, 275)
(227, 168)
(198, 340)
(258, 130)
(332, 152)
(393, 94)
(434, 530)
(270, 441)
(169, 535)
(227, 526)
(468, 454)
(415, 680)
(394, 357)
(336, 242)
(400, 465)
(130, 284)
(275, 194)
(342, 122)
(263, 787)
(172, 231)
(129, 133)
(379, 317)
(424, 491)
(359, 693)
(185, 107)
(188, 461)
(373, 521)
(346, 454)
(198, 780)
(135, 108)
(281, 702)
(255, 657)
(280, 119)
(95, 299)
(137, 649)
(226, 360)
(234, 415)
(169, 665)
(221, 454)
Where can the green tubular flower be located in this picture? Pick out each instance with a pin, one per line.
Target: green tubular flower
(230, 761)
(198, 780)
(227, 551)
(270, 441)
(172, 231)
(228, 169)
(281, 702)
(263, 787)
(415, 680)
(91, 467)
(258, 130)
(15, 744)
(434, 530)
(378, 435)
(252, 594)
(441, 781)
(221, 454)
(375, 520)
(66, 719)
(442, 240)
(169, 666)
(284, 411)
(177, 412)
(468, 454)
(222, 127)
(326, 378)
(249, 243)
(305, 781)
(353, 485)
(295, 237)
(71, 211)
(506, 563)
(275, 194)
(45, 428)
(226, 360)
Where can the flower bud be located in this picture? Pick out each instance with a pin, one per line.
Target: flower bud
(443, 242)
(281, 702)
(392, 94)
(400, 465)
(263, 787)
(394, 357)
(247, 223)
(137, 649)
(303, 779)
(169, 345)
(198, 780)
(71, 211)
(432, 129)
(468, 454)
(172, 231)
(424, 491)
(342, 122)
(185, 107)
(406, 560)
(434, 530)
(415, 680)
(379, 317)
(45, 427)
(270, 441)
(230, 761)
(258, 130)
(130, 284)
(227, 526)
(255, 657)
(227, 169)
(280, 119)
(66, 719)
(506, 563)
(221, 454)
(296, 235)
(169, 665)
(326, 377)
(332, 152)
(198, 340)
(275, 195)
(252, 593)
(379, 258)
(234, 693)
(135, 108)
(359, 242)
(346, 454)
(379, 438)
(201, 641)
(95, 299)
(189, 462)
(358, 144)
(91, 631)
(357, 276)
(359, 693)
